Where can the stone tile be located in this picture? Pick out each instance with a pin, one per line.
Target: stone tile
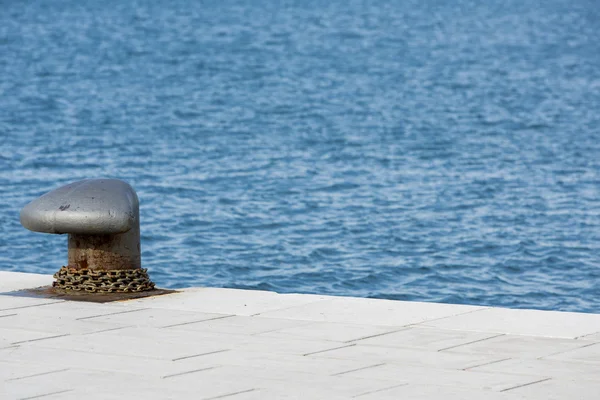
(170, 344)
(170, 335)
(194, 385)
(543, 368)
(212, 383)
(153, 317)
(584, 354)
(10, 337)
(335, 332)
(283, 362)
(255, 394)
(60, 359)
(20, 370)
(432, 392)
(151, 392)
(433, 359)
(426, 338)
(559, 389)
(164, 341)
(124, 342)
(288, 392)
(371, 311)
(240, 325)
(523, 322)
(23, 389)
(53, 324)
(11, 303)
(97, 384)
(443, 377)
(512, 346)
(267, 378)
(73, 310)
(226, 301)
(11, 281)
(287, 346)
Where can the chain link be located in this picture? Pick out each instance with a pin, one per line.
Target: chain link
(103, 281)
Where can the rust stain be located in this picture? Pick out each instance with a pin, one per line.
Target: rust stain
(101, 252)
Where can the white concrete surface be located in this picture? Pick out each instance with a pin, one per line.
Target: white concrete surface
(206, 343)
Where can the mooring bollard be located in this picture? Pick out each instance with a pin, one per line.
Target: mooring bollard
(101, 217)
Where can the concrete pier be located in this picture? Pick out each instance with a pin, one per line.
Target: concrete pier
(206, 343)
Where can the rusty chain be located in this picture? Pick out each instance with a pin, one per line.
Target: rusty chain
(99, 281)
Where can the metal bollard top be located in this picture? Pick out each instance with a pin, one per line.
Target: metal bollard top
(88, 207)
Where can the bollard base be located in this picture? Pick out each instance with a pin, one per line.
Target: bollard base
(49, 292)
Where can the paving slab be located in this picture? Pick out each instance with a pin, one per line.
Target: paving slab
(426, 338)
(150, 317)
(227, 301)
(370, 311)
(53, 324)
(430, 392)
(206, 343)
(523, 322)
(13, 281)
(414, 357)
(559, 389)
(335, 332)
(9, 303)
(13, 337)
(513, 346)
(69, 310)
(10, 371)
(543, 368)
(238, 324)
(444, 377)
(589, 353)
(285, 362)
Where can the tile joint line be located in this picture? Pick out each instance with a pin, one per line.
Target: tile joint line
(187, 372)
(324, 351)
(486, 363)
(113, 313)
(525, 384)
(358, 369)
(33, 305)
(404, 328)
(231, 394)
(424, 323)
(379, 390)
(108, 330)
(287, 308)
(586, 335)
(567, 351)
(474, 341)
(197, 322)
(44, 338)
(200, 355)
(46, 394)
(40, 374)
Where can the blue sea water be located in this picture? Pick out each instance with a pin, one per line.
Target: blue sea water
(425, 150)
